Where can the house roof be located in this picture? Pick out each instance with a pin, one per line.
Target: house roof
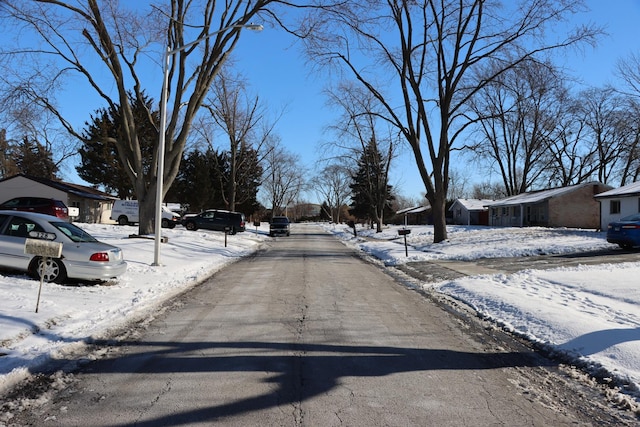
(632, 189)
(75, 189)
(540, 196)
(472, 204)
(415, 209)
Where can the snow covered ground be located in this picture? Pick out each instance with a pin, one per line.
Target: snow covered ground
(590, 314)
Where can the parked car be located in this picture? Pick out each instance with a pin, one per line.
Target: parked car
(625, 232)
(279, 225)
(212, 219)
(83, 257)
(126, 212)
(43, 205)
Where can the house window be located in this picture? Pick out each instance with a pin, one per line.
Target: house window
(614, 207)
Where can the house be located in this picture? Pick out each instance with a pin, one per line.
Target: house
(470, 211)
(618, 203)
(414, 215)
(574, 206)
(91, 205)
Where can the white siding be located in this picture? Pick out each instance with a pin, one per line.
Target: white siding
(20, 186)
(628, 206)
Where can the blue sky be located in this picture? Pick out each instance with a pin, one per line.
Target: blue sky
(276, 71)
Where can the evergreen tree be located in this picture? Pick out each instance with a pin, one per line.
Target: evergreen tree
(195, 185)
(101, 164)
(371, 194)
(32, 158)
(203, 181)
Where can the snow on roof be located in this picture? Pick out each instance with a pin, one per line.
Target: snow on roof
(472, 204)
(627, 190)
(415, 209)
(538, 196)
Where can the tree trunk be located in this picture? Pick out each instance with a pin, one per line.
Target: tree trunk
(439, 218)
(146, 210)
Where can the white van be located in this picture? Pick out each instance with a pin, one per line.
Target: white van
(125, 212)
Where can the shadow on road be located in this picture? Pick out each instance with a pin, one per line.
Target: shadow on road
(301, 371)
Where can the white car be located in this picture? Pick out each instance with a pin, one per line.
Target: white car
(83, 257)
(125, 212)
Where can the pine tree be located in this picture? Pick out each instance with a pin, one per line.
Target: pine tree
(100, 162)
(371, 194)
(32, 158)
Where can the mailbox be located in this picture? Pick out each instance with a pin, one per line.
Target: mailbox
(404, 231)
(256, 223)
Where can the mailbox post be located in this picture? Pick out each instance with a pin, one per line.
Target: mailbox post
(404, 232)
(226, 233)
(45, 249)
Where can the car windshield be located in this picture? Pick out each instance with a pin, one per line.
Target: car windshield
(76, 234)
(281, 220)
(634, 217)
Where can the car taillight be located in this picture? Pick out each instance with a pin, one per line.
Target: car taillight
(631, 226)
(61, 212)
(100, 256)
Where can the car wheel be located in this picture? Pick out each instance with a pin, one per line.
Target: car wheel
(233, 230)
(123, 220)
(191, 226)
(164, 223)
(53, 271)
(626, 246)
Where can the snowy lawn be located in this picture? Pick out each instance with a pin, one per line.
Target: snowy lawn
(590, 314)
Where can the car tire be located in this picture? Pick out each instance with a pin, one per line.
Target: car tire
(164, 223)
(54, 270)
(123, 220)
(191, 226)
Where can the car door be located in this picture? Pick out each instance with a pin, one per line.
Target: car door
(13, 234)
(207, 220)
(220, 221)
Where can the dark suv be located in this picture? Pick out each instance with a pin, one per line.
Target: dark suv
(232, 222)
(279, 225)
(43, 205)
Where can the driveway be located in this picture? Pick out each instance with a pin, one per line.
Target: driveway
(441, 270)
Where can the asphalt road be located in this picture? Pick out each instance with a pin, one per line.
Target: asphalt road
(306, 333)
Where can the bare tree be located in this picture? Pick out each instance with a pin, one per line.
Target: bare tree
(606, 124)
(573, 156)
(244, 122)
(108, 45)
(628, 70)
(431, 52)
(332, 185)
(518, 114)
(360, 139)
(283, 178)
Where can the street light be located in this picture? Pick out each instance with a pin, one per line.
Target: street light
(163, 124)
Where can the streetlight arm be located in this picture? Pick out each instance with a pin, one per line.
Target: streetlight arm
(253, 27)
